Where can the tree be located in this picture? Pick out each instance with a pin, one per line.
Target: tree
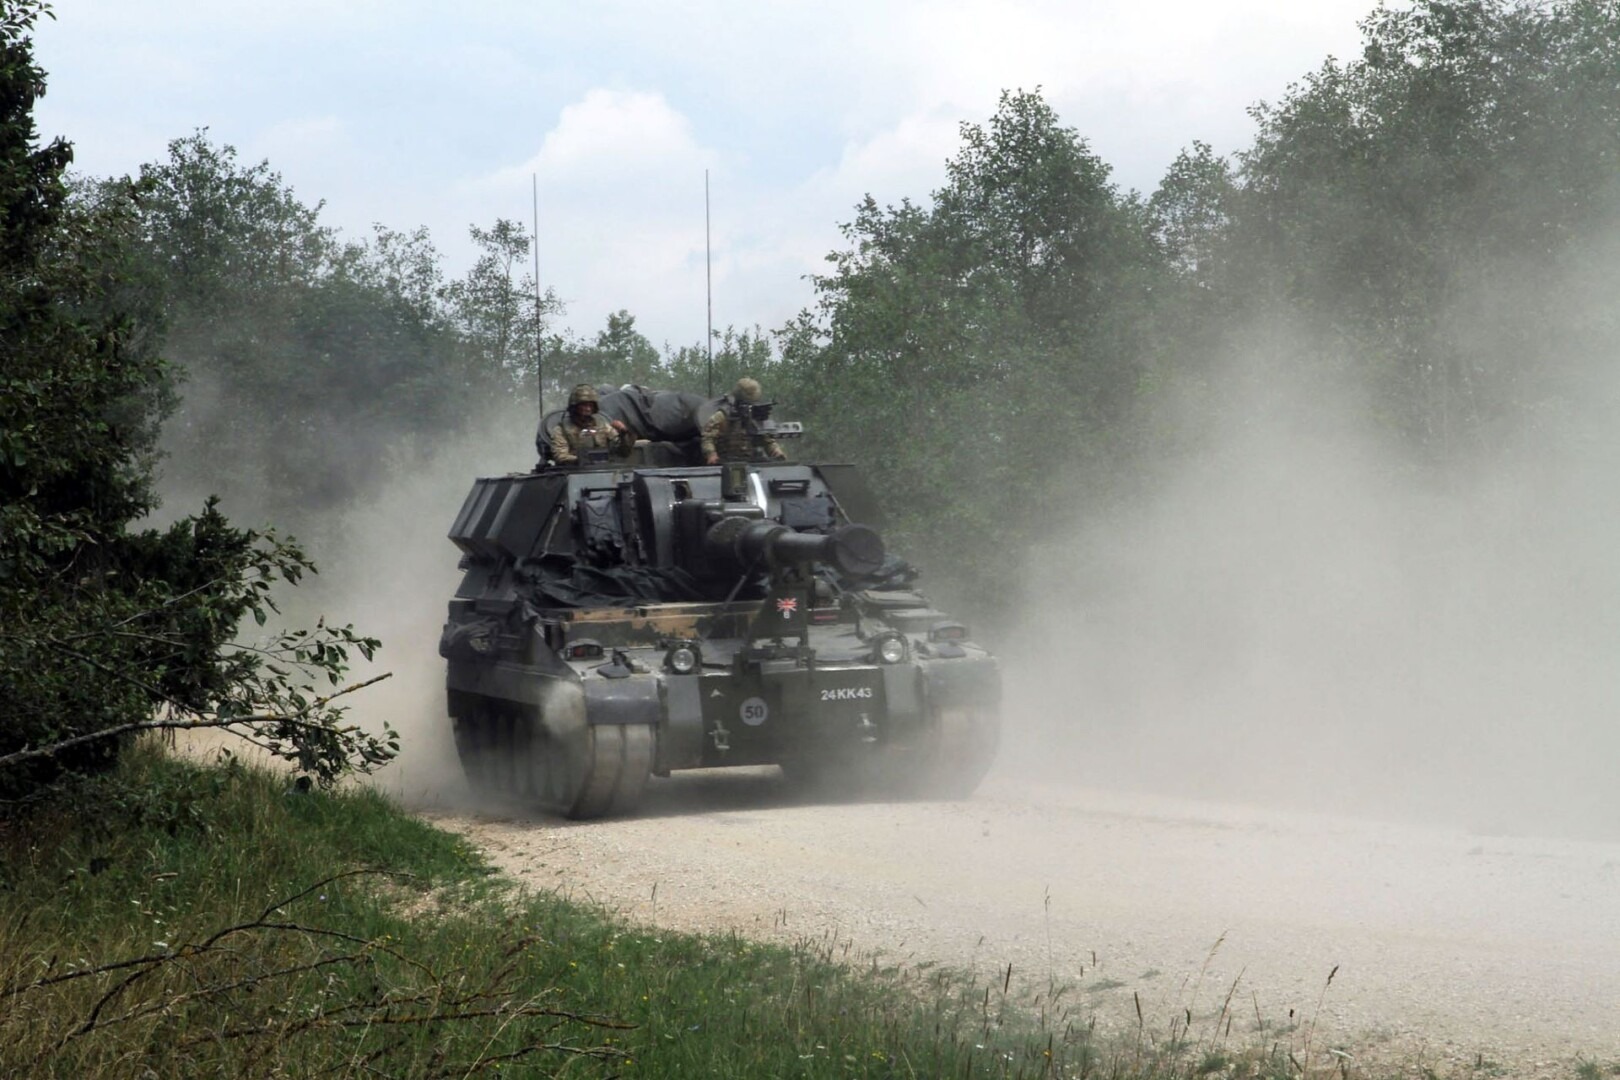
(1191, 212)
(735, 353)
(105, 629)
(976, 344)
(496, 310)
(1414, 209)
(618, 354)
(223, 232)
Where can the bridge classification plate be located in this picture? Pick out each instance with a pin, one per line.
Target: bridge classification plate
(754, 711)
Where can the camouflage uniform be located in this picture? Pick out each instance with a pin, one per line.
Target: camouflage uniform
(573, 437)
(730, 440)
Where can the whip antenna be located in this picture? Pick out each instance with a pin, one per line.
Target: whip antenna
(539, 337)
(708, 283)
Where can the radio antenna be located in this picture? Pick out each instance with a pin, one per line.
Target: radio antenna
(539, 324)
(708, 283)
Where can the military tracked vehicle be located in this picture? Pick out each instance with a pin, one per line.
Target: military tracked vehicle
(618, 621)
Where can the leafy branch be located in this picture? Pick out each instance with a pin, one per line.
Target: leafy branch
(162, 654)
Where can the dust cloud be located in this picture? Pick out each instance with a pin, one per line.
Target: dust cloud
(1299, 615)
(390, 571)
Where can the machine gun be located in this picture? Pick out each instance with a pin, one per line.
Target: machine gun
(755, 420)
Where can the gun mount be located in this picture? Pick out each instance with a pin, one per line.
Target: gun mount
(625, 622)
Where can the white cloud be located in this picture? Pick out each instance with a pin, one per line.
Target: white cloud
(611, 138)
(906, 159)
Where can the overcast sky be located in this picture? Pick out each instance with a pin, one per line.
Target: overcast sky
(420, 112)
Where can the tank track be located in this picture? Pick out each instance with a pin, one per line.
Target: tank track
(559, 763)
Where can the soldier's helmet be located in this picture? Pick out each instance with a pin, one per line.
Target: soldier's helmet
(582, 393)
(746, 390)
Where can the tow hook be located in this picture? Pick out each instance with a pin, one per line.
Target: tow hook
(867, 729)
(721, 737)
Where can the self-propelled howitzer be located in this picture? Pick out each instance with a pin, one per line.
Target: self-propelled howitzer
(621, 622)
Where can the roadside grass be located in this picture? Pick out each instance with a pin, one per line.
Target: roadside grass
(184, 920)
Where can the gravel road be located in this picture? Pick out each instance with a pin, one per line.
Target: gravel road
(1451, 950)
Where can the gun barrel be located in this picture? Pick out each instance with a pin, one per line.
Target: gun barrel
(851, 549)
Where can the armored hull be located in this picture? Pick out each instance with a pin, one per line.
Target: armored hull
(619, 623)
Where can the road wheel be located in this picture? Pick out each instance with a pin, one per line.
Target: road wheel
(618, 761)
(580, 770)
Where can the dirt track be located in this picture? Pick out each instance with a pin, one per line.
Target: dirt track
(1451, 949)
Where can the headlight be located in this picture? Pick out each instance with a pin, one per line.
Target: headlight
(891, 648)
(583, 649)
(682, 658)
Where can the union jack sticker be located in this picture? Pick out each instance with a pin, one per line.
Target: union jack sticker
(787, 605)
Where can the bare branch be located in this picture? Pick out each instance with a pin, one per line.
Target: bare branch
(196, 722)
(206, 990)
(450, 1015)
(211, 943)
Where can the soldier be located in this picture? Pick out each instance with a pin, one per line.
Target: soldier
(729, 433)
(582, 430)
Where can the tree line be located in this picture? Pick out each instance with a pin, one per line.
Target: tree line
(1402, 232)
